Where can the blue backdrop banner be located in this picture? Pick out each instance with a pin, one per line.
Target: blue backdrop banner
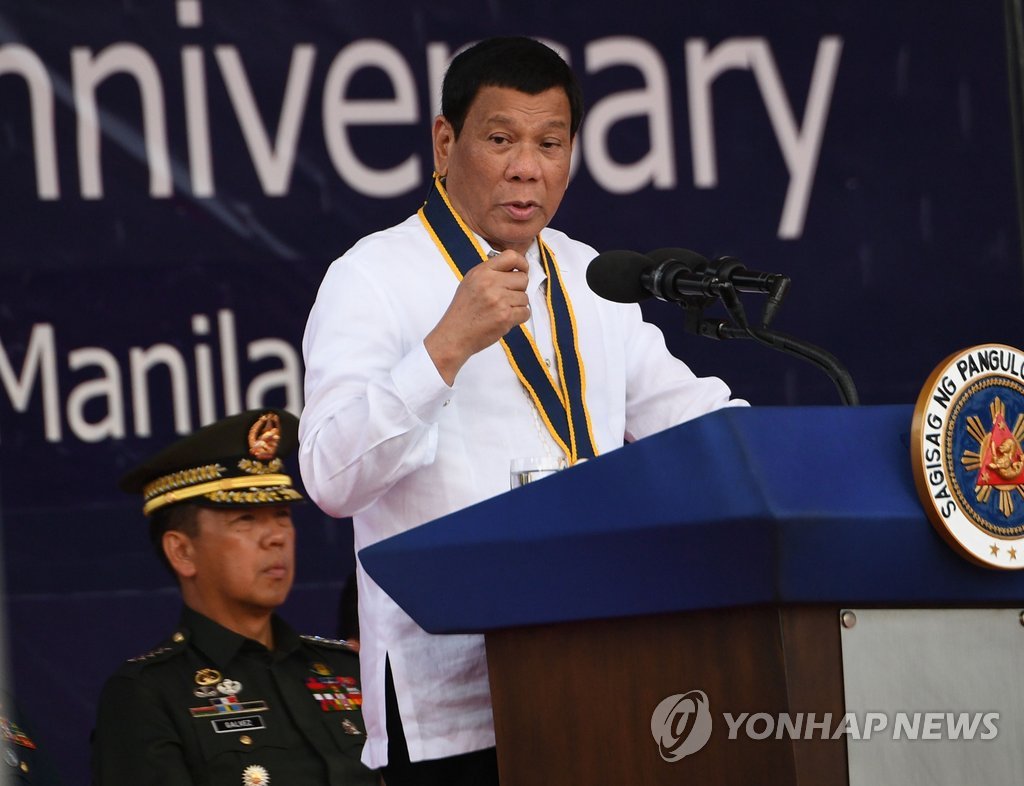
(176, 177)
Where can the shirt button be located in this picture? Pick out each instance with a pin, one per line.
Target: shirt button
(245, 739)
(178, 637)
(446, 402)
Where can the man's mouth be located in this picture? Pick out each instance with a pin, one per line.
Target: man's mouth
(521, 210)
(277, 571)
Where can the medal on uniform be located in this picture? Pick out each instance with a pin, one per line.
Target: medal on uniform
(207, 677)
(255, 775)
(334, 694)
(229, 687)
(207, 680)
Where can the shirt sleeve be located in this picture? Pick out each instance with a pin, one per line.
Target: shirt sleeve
(135, 743)
(661, 390)
(373, 395)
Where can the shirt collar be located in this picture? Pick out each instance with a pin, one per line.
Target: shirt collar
(222, 645)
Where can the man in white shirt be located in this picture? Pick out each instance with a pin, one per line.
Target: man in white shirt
(442, 348)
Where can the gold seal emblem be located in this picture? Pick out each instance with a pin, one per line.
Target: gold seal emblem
(264, 437)
(967, 453)
(255, 775)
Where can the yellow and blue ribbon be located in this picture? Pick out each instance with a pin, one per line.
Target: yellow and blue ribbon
(562, 406)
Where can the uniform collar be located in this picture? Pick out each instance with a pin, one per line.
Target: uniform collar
(222, 645)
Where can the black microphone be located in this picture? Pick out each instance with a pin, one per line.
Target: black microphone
(685, 277)
(732, 271)
(629, 277)
(715, 283)
(723, 268)
(735, 272)
(694, 261)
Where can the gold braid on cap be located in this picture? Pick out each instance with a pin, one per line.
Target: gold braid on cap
(279, 485)
(177, 480)
(255, 496)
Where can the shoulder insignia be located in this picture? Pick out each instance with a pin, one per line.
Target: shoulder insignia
(330, 644)
(169, 647)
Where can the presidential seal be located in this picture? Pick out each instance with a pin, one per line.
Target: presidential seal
(967, 455)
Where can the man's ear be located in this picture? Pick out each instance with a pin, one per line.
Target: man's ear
(443, 135)
(180, 551)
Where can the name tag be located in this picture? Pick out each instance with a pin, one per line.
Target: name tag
(229, 725)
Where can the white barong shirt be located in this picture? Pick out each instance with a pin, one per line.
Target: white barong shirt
(386, 441)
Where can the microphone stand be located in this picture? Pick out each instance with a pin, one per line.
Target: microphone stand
(721, 329)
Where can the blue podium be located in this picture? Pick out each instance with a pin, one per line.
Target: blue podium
(715, 556)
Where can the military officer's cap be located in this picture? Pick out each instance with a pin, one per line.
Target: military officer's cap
(235, 462)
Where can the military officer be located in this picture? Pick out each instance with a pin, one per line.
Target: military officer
(234, 696)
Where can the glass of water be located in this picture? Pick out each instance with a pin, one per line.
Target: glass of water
(527, 470)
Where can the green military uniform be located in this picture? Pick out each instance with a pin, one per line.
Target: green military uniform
(212, 707)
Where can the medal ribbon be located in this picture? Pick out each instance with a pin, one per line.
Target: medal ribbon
(562, 407)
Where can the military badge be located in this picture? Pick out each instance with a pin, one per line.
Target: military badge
(968, 453)
(229, 687)
(255, 775)
(207, 680)
(264, 436)
(207, 677)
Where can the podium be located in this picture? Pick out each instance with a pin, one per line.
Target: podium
(716, 556)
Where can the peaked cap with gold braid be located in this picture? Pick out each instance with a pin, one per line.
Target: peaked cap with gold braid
(235, 462)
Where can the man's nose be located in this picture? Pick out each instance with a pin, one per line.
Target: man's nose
(276, 533)
(524, 163)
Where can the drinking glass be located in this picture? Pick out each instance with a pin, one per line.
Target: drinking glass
(527, 470)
